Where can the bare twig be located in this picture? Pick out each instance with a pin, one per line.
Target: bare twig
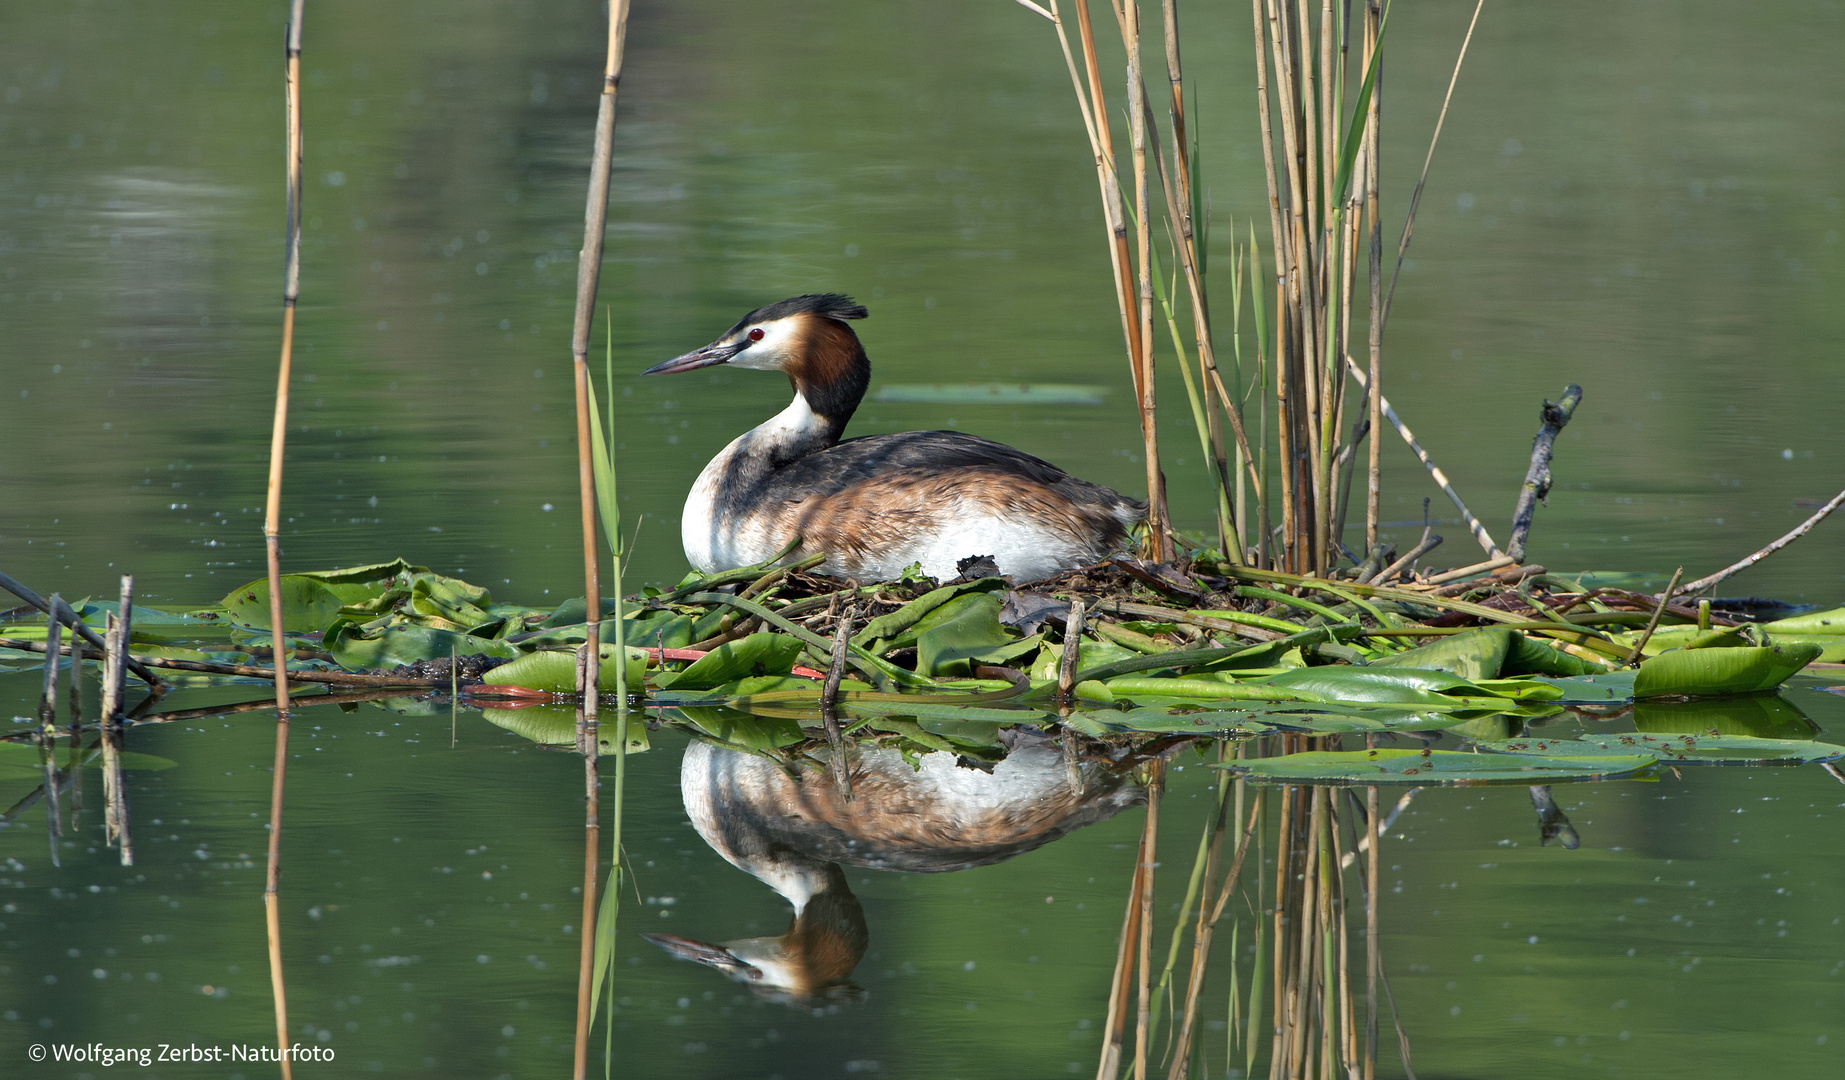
(1652, 624)
(248, 671)
(1427, 544)
(1537, 477)
(1072, 649)
(48, 698)
(94, 639)
(1801, 530)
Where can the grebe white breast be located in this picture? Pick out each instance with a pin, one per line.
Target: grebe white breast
(876, 504)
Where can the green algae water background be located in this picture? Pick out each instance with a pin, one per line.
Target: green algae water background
(1642, 199)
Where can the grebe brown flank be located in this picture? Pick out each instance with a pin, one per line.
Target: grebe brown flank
(878, 503)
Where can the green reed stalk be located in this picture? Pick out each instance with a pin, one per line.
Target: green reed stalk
(610, 511)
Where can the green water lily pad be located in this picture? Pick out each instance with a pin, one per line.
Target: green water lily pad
(357, 648)
(556, 672)
(1830, 622)
(1182, 689)
(1680, 749)
(1831, 646)
(1702, 672)
(1611, 688)
(1476, 654)
(1435, 768)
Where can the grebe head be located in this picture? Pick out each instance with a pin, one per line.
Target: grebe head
(805, 338)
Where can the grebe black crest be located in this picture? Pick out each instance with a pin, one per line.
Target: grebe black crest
(876, 504)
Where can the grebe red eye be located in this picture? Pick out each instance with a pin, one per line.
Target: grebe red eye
(756, 333)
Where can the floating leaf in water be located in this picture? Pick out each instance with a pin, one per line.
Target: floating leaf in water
(1611, 688)
(1830, 622)
(1720, 749)
(556, 672)
(1435, 767)
(990, 394)
(307, 602)
(1258, 716)
(1403, 686)
(971, 635)
(1831, 646)
(1531, 745)
(1476, 654)
(1704, 672)
(356, 648)
(1182, 689)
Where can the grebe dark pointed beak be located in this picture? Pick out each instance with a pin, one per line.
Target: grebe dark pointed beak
(715, 353)
(699, 952)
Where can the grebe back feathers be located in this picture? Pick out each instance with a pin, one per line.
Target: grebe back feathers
(878, 503)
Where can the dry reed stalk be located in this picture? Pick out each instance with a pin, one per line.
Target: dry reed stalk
(1375, 335)
(592, 850)
(1202, 935)
(272, 519)
(589, 273)
(1371, 949)
(1114, 1025)
(1149, 849)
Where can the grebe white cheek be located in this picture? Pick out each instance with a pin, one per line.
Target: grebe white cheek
(877, 504)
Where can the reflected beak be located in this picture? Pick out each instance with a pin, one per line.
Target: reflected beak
(715, 353)
(715, 956)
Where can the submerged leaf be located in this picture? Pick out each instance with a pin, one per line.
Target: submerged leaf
(1435, 767)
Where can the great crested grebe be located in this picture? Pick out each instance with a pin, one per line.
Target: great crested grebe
(793, 828)
(878, 503)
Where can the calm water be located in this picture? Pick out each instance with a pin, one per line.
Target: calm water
(1644, 200)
